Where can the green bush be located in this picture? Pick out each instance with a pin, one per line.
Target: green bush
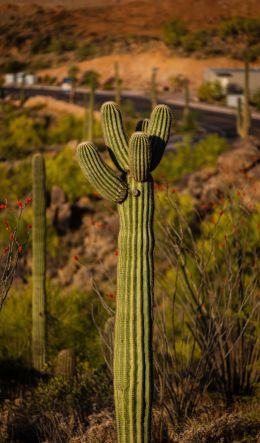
(24, 134)
(86, 51)
(40, 43)
(69, 325)
(191, 157)
(15, 325)
(63, 171)
(67, 128)
(22, 185)
(193, 41)
(90, 78)
(210, 92)
(256, 99)
(61, 45)
(13, 65)
(174, 31)
(238, 25)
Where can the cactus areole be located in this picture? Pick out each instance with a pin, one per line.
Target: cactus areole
(132, 189)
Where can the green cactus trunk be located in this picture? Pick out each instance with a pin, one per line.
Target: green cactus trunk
(39, 264)
(133, 331)
(132, 189)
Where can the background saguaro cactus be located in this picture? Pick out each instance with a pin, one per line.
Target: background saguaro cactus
(132, 189)
(154, 91)
(243, 111)
(117, 84)
(39, 264)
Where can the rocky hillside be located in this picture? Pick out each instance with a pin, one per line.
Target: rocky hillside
(88, 228)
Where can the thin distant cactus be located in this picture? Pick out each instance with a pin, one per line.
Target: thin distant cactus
(90, 113)
(117, 85)
(186, 87)
(243, 111)
(39, 264)
(132, 189)
(154, 92)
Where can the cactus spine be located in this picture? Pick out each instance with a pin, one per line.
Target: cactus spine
(39, 264)
(132, 189)
(243, 111)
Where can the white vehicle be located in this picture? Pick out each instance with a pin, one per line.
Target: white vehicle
(66, 84)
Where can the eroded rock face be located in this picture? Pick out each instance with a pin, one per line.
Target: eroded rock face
(238, 169)
(59, 210)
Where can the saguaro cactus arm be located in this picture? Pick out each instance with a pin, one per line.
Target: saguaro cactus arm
(102, 177)
(143, 125)
(159, 132)
(115, 135)
(139, 156)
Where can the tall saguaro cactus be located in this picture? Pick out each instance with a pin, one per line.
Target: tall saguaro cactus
(132, 189)
(39, 264)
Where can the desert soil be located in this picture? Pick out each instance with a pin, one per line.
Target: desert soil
(136, 68)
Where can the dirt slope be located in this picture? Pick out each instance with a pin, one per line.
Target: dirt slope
(136, 68)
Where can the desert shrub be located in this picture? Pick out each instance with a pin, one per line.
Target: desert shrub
(86, 51)
(57, 409)
(174, 31)
(256, 99)
(22, 184)
(69, 317)
(23, 139)
(47, 79)
(254, 52)
(193, 41)
(39, 64)
(40, 43)
(188, 122)
(213, 275)
(61, 45)
(210, 92)
(238, 25)
(90, 78)
(63, 171)
(13, 65)
(67, 128)
(191, 157)
(15, 326)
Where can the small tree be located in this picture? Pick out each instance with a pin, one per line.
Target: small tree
(73, 74)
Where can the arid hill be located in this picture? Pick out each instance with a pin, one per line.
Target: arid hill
(119, 17)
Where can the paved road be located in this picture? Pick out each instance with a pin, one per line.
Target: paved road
(210, 118)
